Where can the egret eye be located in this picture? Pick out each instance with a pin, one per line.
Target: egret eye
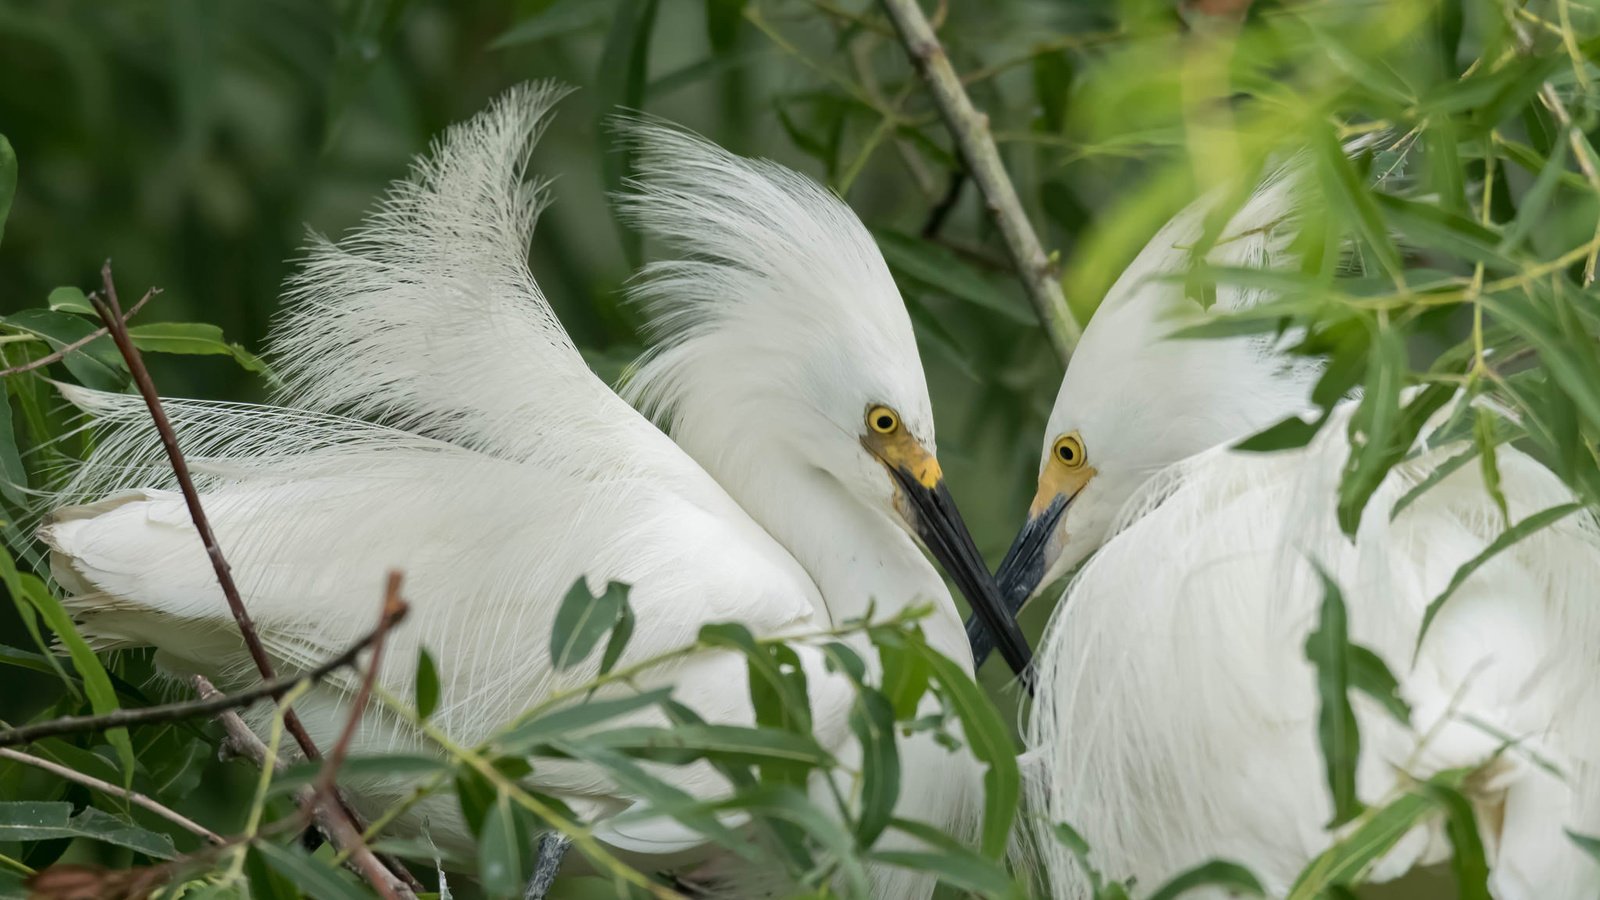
(1069, 450)
(883, 420)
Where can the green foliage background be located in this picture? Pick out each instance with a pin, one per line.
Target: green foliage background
(193, 141)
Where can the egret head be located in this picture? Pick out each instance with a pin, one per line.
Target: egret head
(1137, 399)
(783, 347)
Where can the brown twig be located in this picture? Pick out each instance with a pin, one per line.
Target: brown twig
(80, 343)
(105, 303)
(107, 787)
(188, 709)
(970, 129)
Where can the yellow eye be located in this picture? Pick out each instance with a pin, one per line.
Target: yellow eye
(1069, 450)
(883, 420)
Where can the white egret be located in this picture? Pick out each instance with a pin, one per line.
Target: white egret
(437, 419)
(1176, 720)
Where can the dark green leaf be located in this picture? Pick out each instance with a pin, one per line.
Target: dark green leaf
(954, 863)
(624, 69)
(1369, 675)
(1345, 861)
(722, 23)
(475, 794)
(505, 848)
(396, 765)
(787, 803)
(8, 181)
(427, 687)
(314, 876)
(1589, 845)
(1232, 877)
(1510, 536)
(617, 643)
(1429, 226)
(939, 269)
(1052, 82)
(13, 475)
(687, 743)
(990, 741)
(1286, 435)
(1350, 198)
(1328, 648)
(582, 620)
(872, 722)
(43, 821)
(1484, 434)
(556, 20)
(1467, 859)
(1531, 212)
(97, 365)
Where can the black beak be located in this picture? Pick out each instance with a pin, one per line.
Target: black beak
(939, 525)
(1019, 575)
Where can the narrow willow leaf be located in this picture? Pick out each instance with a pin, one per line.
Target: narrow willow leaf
(316, 877)
(582, 620)
(1439, 473)
(1232, 877)
(1510, 536)
(96, 683)
(955, 863)
(1484, 434)
(524, 737)
(934, 267)
(13, 475)
(1369, 675)
(1052, 82)
(1328, 649)
(475, 794)
(778, 690)
(505, 848)
(53, 820)
(990, 741)
(687, 743)
(427, 687)
(1372, 427)
(1286, 435)
(871, 720)
(398, 765)
(1589, 845)
(621, 633)
(790, 804)
(70, 300)
(266, 883)
(905, 672)
(621, 79)
(1531, 211)
(1349, 196)
(1467, 859)
(557, 19)
(194, 339)
(8, 181)
(1439, 229)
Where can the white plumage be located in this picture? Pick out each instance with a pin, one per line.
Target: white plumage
(1177, 713)
(437, 419)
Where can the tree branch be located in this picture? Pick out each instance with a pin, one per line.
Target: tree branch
(106, 787)
(105, 303)
(187, 709)
(970, 129)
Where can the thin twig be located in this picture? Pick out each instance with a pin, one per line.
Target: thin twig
(970, 128)
(941, 210)
(105, 303)
(106, 787)
(188, 709)
(80, 343)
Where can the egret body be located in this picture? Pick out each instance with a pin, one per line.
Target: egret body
(437, 419)
(1176, 719)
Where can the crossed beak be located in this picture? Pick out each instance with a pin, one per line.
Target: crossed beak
(928, 508)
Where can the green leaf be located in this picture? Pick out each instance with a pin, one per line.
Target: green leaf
(1431, 227)
(1286, 435)
(53, 820)
(13, 475)
(582, 620)
(787, 803)
(1510, 536)
(1348, 196)
(1484, 434)
(1328, 650)
(475, 794)
(723, 18)
(939, 269)
(563, 723)
(1589, 845)
(990, 741)
(505, 857)
(871, 720)
(71, 300)
(265, 882)
(1531, 211)
(314, 876)
(905, 672)
(1232, 877)
(1052, 82)
(97, 365)
(96, 683)
(427, 686)
(617, 643)
(954, 863)
(8, 181)
(624, 68)
(731, 743)
(1370, 676)
(1348, 859)
(195, 339)
(397, 765)
(559, 19)
(1439, 473)
(1467, 860)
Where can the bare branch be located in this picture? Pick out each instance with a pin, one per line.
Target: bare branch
(105, 303)
(188, 709)
(970, 128)
(106, 787)
(80, 343)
